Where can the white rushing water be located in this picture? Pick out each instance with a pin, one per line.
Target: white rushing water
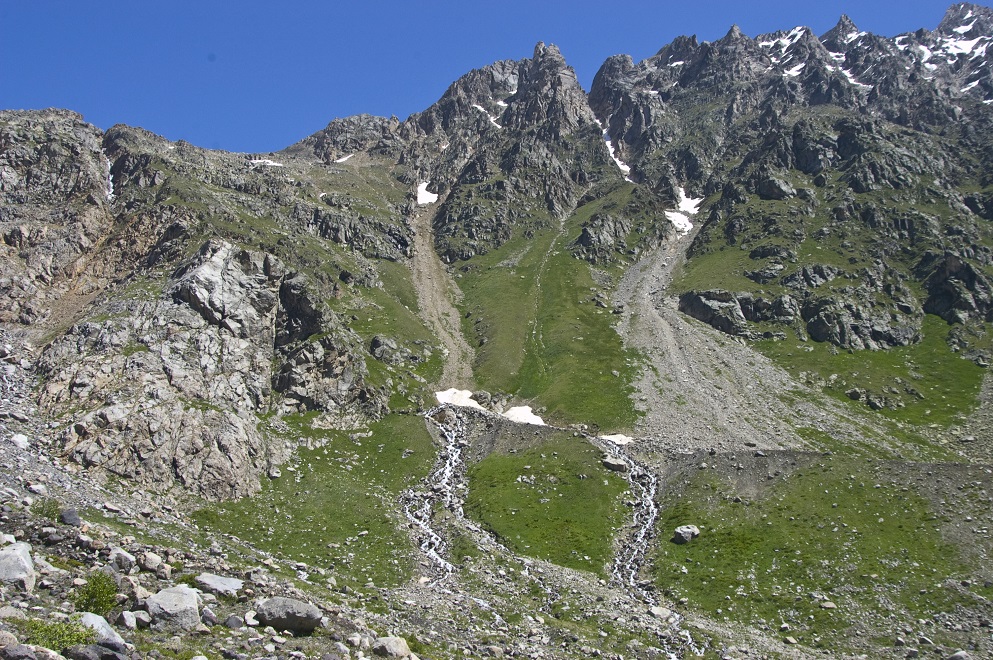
(446, 485)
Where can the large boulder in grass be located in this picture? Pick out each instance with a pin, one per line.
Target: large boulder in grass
(391, 647)
(289, 614)
(17, 567)
(175, 608)
(685, 533)
(225, 586)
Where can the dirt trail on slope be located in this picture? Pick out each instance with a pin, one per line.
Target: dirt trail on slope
(701, 389)
(436, 291)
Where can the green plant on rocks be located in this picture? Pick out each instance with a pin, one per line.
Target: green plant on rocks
(57, 635)
(98, 595)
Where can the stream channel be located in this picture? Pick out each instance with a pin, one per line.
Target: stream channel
(446, 486)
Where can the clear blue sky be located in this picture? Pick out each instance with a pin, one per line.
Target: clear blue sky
(258, 75)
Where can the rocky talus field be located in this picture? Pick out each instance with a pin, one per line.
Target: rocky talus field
(693, 364)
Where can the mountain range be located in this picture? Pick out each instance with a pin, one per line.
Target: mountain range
(692, 364)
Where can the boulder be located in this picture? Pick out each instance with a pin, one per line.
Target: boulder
(17, 652)
(176, 608)
(391, 647)
(11, 612)
(218, 584)
(106, 636)
(234, 621)
(93, 652)
(149, 561)
(121, 559)
(685, 534)
(289, 614)
(774, 188)
(718, 308)
(615, 464)
(7, 639)
(70, 517)
(127, 620)
(16, 566)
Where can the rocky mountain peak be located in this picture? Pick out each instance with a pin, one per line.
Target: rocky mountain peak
(842, 34)
(966, 20)
(733, 34)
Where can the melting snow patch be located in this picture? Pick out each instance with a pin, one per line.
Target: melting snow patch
(344, 158)
(491, 117)
(961, 46)
(687, 207)
(458, 398)
(785, 42)
(618, 439)
(795, 71)
(851, 79)
(425, 197)
(265, 161)
(962, 29)
(969, 86)
(519, 414)
(523, 415)
(621, 165)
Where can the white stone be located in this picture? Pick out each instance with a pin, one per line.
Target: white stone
(99, 625)
(218, 584)
(176, 608)
(16, 566)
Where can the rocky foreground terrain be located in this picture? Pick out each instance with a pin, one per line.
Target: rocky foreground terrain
(694, 364)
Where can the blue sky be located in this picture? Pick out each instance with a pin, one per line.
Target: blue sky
(258, 75)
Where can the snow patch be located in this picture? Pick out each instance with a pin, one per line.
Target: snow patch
(456, 397)
(961, 46)
(344, 158)
(969, 86)
(962, 29)
(523, 415)
(686, 208)
(853, 80)
(491, 117)
(425, 197)
(784, 42)
(621, 165)
(266, 161)
(618, 439)
(795, 71)
(679, 63)
(463, 398)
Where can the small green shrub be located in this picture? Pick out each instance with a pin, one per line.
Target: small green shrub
(98, 595)
(189, 580)
(47, 508)
(57, 635)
